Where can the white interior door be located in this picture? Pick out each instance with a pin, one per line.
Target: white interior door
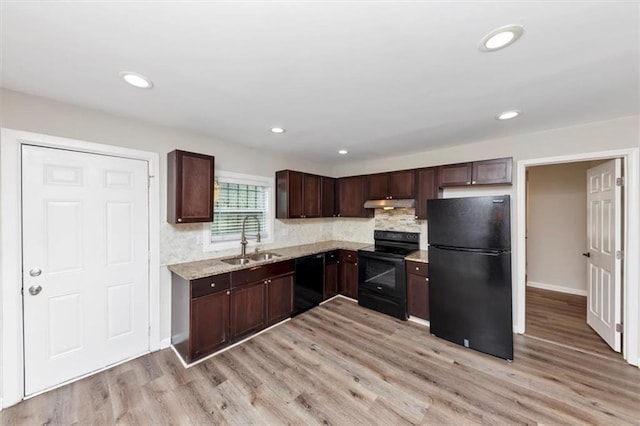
(85, 263)
(604, 304)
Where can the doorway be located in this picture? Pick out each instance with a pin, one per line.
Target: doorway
(16, 243)
(549, 303)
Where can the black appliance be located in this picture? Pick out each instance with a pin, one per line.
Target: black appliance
(308, 282)
(470, 273)
(382, 279)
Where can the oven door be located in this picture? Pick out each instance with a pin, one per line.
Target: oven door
(382, 275)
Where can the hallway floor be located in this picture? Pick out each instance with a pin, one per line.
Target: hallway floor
(562, 318)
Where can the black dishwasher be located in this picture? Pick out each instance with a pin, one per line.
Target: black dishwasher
(309, 282)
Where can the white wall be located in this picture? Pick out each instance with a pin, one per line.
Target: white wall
(557, 227)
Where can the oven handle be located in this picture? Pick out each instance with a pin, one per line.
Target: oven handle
(366, 255)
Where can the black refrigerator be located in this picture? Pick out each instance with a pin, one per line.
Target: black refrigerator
(470, 272)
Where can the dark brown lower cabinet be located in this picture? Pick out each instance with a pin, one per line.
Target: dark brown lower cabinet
(209, 322)
(280, 298)
(348, 270)
(330, 287)
(418, 289)
(248, 310)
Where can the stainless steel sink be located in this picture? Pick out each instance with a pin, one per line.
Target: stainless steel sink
(265, 255)
(237, 260)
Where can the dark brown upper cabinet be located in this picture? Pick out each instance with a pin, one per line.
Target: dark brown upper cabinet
(455, 174)
(328, 187)
(190, 187)
(490, 172)
(427, 189)
(351, 197)
(487, 172)
(384, 186)
(298, 195)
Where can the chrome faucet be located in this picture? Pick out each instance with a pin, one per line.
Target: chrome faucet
(243, 240)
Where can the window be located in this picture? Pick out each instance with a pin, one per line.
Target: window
(238, 196)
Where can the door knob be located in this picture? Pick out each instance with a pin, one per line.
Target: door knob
(35, 272)
(587, 254)
(34, 290)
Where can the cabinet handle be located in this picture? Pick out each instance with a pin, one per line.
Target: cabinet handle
(212, 285)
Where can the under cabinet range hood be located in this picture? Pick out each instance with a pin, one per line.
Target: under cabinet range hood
(390, 204)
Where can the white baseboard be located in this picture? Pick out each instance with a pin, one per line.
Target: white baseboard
(558, 288)
(165, 343)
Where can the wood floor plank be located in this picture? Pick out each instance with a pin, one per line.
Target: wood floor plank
(342, 364)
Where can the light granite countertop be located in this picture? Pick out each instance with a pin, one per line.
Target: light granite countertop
(419, 256)
(204, 268)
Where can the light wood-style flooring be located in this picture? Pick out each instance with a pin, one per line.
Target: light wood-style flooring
(562, 318)
(345, 365)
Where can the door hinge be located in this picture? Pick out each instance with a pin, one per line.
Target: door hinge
(149, 180)
(619, 328)
(149, 331)
(620, 181)
(619, 254)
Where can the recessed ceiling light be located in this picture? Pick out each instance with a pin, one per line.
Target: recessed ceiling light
(501, 38)
(343, 152)
(277, 130)
(136, 80)
(508, 115)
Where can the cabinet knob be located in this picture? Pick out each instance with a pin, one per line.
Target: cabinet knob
(468, 183)
(473, 182)
(417, 268)
(228, 292)
(390, 197)
(179, 219)
(212, 285)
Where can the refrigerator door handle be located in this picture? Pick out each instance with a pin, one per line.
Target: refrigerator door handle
(485, 252)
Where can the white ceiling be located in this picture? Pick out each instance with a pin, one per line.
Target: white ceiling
(376, 78)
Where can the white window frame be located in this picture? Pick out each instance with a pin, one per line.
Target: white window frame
(241, 178)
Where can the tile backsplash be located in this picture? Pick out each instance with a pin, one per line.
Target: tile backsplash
(183, 243)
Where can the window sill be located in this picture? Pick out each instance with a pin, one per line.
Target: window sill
(228, 245)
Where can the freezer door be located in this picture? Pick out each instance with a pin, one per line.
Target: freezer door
(472, 222)
(470, 299)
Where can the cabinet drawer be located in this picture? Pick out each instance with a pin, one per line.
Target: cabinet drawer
(208, 285)
(418, 268)
(261, 272)
(348, 256)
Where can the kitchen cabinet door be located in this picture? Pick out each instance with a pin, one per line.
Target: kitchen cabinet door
(427, 190)
(190, 187)
(378, 186)
(351, 197)
(348, 269)
(289, 188)
(248, 310)
(330, 275)
(280, 298)
(490, 172)
(311, 195)
(209, 323)
(328, 187)
(455, 174)
(401, 184)
(418, 289)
